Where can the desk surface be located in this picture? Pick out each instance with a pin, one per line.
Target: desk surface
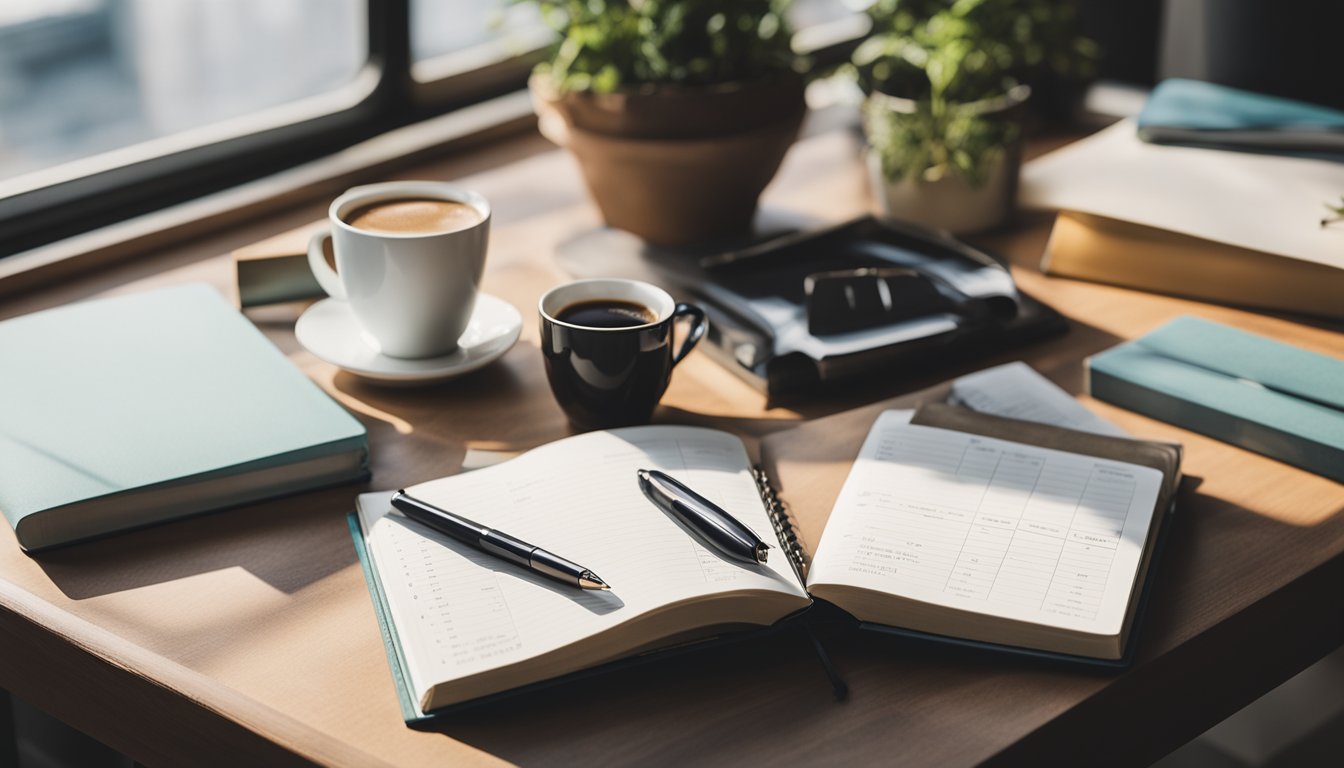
(250, 632)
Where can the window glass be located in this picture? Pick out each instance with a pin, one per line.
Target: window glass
(808, 13)
(83, 77)
(819, 23)
(451, 37)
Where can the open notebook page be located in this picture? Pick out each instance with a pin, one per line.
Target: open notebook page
(989, 526)
(457, 611)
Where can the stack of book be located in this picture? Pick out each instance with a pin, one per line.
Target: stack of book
(1232, 227)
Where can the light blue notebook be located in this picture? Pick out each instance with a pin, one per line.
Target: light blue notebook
(1183, 111)
(122, 412)
(1241, 388)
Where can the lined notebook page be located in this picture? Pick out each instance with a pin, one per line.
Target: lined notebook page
(990, 526)
(457, 611)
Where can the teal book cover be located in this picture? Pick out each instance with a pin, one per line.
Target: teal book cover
(1192, 112)
(124, 411)
(1265, 396)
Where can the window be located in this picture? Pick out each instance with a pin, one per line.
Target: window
(114, 108)
(450, 37)
(80, 78)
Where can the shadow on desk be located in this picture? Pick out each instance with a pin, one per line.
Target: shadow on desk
(436, 417)
(288, 543)
(709, 693)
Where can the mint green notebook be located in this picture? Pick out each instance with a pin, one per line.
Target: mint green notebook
(1183, 111)
(127, 411)
(1241, 388)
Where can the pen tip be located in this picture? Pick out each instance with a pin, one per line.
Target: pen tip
(590, 580)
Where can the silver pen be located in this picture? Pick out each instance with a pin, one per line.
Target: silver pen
(718, 528)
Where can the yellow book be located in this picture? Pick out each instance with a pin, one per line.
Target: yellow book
(1107, 250)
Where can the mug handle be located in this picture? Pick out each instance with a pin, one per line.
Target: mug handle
(317, 262)
(699, 324)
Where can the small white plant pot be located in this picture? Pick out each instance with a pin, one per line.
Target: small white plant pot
(951, 203)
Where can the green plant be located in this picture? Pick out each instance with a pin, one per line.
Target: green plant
(936, 86)
(947, 62)
(933, 140)
(1027, 40)
(609, 44)
(1336, 211)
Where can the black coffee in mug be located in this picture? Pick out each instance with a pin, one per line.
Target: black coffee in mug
(609, 350)
(606, 313)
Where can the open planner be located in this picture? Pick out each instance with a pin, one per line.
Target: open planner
(941, 528)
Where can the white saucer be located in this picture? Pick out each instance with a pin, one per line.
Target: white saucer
(329, 330)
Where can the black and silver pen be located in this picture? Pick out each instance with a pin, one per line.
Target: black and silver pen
(497, 543)
(718, 528)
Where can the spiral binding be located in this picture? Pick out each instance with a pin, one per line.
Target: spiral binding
(783, 525)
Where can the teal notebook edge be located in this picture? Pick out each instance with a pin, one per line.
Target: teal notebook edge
(1256, 393)
(410, 710)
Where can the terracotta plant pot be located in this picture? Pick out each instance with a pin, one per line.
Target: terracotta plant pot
(952, 203)
(676, 166)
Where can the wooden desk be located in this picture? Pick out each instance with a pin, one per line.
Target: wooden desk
(248, 635)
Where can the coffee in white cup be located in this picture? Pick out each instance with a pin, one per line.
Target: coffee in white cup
(409, 259)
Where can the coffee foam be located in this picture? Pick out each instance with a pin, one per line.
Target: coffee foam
(413, 216)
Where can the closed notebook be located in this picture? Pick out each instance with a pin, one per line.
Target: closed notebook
(1260, 394)
(126, 411)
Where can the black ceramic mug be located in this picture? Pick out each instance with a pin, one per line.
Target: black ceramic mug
(608, 348)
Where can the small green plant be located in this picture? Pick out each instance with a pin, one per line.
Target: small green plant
(933, 140)
(605, 45)
(1336, 211)
(1026, 39)
(938, 71)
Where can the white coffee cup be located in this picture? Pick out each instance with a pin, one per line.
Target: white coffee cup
(412, 292)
